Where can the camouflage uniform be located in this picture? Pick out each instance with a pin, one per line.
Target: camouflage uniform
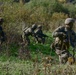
(40, 37)
(64, 37)
(28, 32)
(2, 34)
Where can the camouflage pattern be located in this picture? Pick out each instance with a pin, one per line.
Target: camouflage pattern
(64, 37)
(68, 35)
(40, 37)
(69, 20)
(28, 32)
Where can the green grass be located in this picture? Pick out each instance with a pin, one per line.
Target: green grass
(39, 11)
(26, 67)
(11, 64)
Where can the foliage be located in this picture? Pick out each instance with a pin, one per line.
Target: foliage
(14, 66)
(40, 12)
(72, 11)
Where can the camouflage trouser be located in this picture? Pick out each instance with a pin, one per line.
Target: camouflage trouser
(61, 49)
(40, 40)
(25, 38)
(60, 44)
(56, 43)
(63, 55)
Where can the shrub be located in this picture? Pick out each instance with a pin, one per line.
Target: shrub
(49, 13)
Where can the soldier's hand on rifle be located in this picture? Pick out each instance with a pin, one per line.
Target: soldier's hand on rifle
(61, 34)
(46, 36)
(64, 35)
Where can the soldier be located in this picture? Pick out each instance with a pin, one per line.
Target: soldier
(2, 35)
(40, 37)
(64, 37)
(27, 32)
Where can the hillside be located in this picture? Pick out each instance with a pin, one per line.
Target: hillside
(18, 59)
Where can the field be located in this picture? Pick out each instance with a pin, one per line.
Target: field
(35, 66)
(36, 59)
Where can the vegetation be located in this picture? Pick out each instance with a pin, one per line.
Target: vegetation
(15, 60)
(41, 12)
(27, 68)
(36, 59)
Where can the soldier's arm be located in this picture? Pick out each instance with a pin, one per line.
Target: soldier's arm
(58, 32)
(44, 35)
(25, 29)
(36, 33)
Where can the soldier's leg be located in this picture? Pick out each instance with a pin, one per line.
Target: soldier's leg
(36, 38)
(71, 59)
(52, 46)
(64, 56)
(23, 36)
(43, 40)
(65, 60)
(39, 40)
(27, 40)
(60, 60)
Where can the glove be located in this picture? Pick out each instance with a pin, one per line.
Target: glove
(61, 34)
(64, 35)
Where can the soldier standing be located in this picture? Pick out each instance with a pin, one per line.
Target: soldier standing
(40, 37)
(2, 35)
(28, 32)
(64, 37)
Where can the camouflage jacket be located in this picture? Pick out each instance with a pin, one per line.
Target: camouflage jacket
(29, 31)
(39, 33)
(70, 35)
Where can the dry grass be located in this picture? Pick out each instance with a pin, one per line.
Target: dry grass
(36, 67)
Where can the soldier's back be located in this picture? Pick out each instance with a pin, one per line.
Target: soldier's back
(28, 31)
(38, 31)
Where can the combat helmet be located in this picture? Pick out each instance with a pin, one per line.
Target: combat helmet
(69, 20)
(39, 26)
